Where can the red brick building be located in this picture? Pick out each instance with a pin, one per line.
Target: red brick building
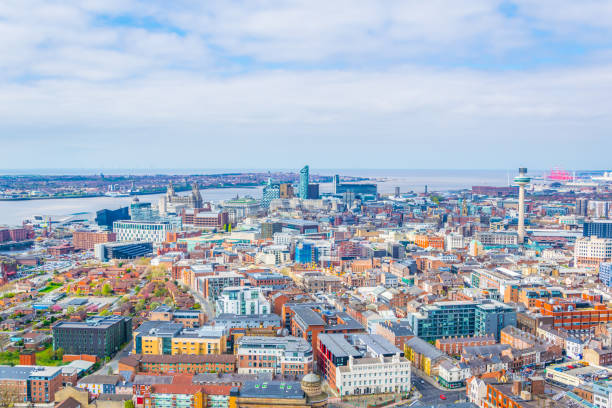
(83, 240)
(455, 345)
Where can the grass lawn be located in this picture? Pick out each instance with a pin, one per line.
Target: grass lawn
(45, 358)
(9, 358)
(50, 287)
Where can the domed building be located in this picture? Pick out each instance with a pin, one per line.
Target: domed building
(311, 384)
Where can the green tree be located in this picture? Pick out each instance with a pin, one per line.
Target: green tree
(154, 305)
(128, 404)
(107, 290)
(59, 353)
(140, 305)
(197, 306)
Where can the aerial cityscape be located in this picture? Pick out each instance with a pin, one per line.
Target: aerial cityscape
(298, 295)
(305, 204)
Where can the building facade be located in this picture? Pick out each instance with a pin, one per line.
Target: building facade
(86, 240)
(99, 336)
(141, 231)
(242, 300)
(277, 355)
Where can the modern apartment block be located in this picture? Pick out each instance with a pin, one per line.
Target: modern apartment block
(33, 384)
(162, 337)
(242, 300)
(188, 318)
(141, 230)
(461, 318)
(213, 284)
(276, 355)
(100, 335)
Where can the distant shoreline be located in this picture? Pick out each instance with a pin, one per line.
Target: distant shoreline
(144, 193)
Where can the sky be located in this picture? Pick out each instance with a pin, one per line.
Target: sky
(277, 84)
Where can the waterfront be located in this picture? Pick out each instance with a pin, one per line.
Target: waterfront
(14, 212)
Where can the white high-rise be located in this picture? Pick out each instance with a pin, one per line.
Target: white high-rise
(522, 180)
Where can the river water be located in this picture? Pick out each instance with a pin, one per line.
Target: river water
(14, 212)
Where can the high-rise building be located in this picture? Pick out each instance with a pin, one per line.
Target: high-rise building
(304, 181)
(605, 273)
(271, 191)
(600, 209)
(313, 192)
(600, 229)
(105, 218)
(582, 206)
(142, 211)
(286, 190)
(522, 180)
(355, 188)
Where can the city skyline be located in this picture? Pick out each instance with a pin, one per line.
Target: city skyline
(359, 84)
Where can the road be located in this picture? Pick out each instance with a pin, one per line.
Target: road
(207, 306)
(114, 363)
(431, 394)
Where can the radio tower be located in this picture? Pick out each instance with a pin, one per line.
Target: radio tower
(522, 180)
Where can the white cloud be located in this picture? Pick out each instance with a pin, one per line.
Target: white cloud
(352, 70)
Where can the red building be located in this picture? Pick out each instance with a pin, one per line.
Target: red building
(574, 314)
(206, 219)
(83, 240)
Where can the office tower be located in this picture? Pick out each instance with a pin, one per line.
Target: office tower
(105, 218)
(142, 211)
(598, 228)
(313, 191)
(304, 180)
(286, 190)
(397, 191)
(271, 191)
(600, 209)
(582, 206)
(605, 273)
(522, 180)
